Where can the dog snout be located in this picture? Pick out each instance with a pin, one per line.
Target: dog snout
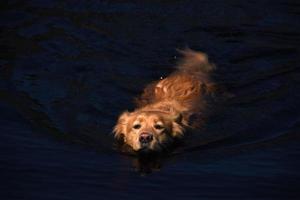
(146, 138)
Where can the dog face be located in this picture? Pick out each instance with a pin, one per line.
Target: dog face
(148, 130)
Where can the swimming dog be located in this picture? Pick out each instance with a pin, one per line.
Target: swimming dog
(168, 106)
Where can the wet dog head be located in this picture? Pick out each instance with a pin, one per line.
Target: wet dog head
(148, 131)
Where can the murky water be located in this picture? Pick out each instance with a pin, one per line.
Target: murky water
(69, 68)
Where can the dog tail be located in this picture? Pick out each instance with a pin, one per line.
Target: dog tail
(194, 63)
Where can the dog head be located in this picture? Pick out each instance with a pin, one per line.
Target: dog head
(149, 131)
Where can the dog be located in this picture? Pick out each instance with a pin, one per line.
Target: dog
(168, 106)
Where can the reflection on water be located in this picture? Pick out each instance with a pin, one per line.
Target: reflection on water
(67, 70)
(147, 164)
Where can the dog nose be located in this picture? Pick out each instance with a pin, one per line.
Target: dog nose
(146, 138)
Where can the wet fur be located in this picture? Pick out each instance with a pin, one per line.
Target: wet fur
(176, 101)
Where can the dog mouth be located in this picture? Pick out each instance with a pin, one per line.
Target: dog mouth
(148, 148)
(145, 147)
(145, 150)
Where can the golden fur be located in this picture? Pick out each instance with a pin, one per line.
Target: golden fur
(166, 107)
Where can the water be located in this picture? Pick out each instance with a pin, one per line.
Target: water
(69, 68)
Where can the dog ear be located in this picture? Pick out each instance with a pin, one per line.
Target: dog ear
(120, 128)
(177, 128)
(177, 117)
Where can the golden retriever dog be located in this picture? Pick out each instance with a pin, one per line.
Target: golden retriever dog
(167, 107)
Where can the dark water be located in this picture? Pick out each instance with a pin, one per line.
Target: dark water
(68, 68)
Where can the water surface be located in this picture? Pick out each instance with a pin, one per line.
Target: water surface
(69, 68)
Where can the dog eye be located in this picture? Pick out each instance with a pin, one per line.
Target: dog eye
(137, 126)
(157, 126)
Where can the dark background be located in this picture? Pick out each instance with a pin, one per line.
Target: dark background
(69, 68)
